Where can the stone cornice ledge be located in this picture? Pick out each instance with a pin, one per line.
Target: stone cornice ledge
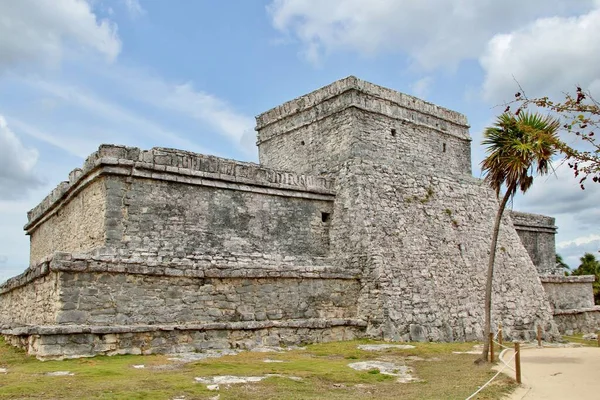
(315, 323)
(567, 279)
(180, 166)
(533, 222)
(349, 83)
(595, 309)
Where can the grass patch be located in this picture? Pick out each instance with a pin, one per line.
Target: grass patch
(578, 338)
(323, 368)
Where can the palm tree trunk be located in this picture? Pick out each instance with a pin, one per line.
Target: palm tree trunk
(490, 274)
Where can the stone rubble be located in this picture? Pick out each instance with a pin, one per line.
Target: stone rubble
(193, 357)
(60, 373)
(215, 381)
(381, 347)
(403, 372)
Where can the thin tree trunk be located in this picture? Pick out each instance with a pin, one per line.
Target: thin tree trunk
(490, 274)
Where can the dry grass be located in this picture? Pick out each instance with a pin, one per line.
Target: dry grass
(578, 338)
(323, 368)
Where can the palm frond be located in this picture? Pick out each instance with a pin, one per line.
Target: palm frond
(518, 147)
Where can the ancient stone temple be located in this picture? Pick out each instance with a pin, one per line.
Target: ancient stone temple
(361, 220)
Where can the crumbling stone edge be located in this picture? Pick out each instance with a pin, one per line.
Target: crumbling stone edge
(61, 342)
(567, 279)
(595, 309)
(200, 266)
(313, 323)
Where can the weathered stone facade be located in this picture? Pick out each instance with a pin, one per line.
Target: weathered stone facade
(572, 302)
(571, 297)
(362, 219)
(569, 292)
(569, 322)
(537, 232)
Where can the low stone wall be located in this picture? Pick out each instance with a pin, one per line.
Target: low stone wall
(63, 230)
(102, 304)
(572, 301)
(32, 297)
(125, 299)
(59, 342)
(569, 292)
(578, 321)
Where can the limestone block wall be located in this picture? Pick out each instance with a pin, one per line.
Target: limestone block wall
(352, 118)
(101, 290)
(403, 142)
(537, 232)
(122, 299)
(82, 305)
(569, 292)
(30, 300)
(168, 203)
(171, 219)
(570, 322)
(427, 240)
(76, 223)
(312, 148)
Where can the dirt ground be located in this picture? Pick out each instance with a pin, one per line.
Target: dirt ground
(557, 373)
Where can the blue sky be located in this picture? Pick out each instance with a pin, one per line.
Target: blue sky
(193, 74)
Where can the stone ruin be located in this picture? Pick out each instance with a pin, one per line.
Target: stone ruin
(362, 219)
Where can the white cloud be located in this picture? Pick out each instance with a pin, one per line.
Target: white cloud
(573, 251)
(548, 56)
(185, 100)
(115, 122)
(14, 244)
(134, 8)
(432, 32)
(42, 30)
(77, 145)
(17, 163)
(82, 98)
(5, 273)
(560, 193)
(205, 107)
(579, 241)
(422, 87)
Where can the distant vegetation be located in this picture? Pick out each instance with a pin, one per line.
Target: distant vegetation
(590, 266)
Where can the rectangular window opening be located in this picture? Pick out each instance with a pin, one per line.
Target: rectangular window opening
(325, 216)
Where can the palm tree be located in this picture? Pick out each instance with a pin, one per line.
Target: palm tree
(560, 263)
(590, 266)
(517, 147)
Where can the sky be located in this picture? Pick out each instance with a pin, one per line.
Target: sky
(193, 74)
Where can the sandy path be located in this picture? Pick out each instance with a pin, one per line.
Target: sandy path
(558, 373)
